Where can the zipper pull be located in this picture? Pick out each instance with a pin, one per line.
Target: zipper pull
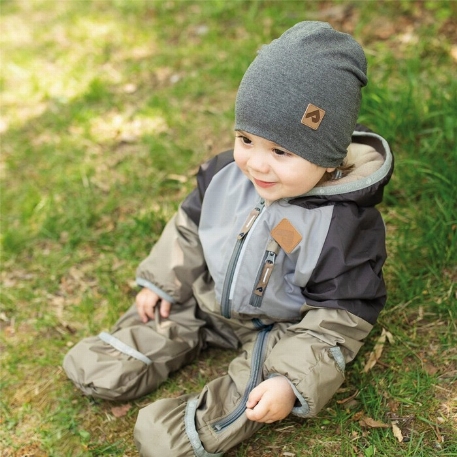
(272, 252)
(253, 215)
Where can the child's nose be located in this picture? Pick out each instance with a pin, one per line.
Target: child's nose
(257, 161)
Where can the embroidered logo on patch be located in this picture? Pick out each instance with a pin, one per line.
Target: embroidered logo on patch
(313, 116)
(286, 235)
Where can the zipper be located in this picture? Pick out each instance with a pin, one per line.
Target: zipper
(226, 289)
(264, 273)
(258, 356)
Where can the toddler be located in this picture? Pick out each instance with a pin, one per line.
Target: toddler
(278, 252)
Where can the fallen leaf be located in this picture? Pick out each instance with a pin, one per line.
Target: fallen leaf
(345, 400)
(377, 350)
(397, 432)
(371, 423)
(120, 411)
(402, 426)
(351, 404)
(430, 369)
(390, 337)
(357, 416)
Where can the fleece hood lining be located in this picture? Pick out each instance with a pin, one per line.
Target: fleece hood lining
(371, 147)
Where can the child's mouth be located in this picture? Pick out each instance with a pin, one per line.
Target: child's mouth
(263, 184)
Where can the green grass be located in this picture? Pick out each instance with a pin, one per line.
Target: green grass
(108, 107)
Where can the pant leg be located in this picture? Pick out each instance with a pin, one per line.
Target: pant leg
(135, 358)
(160, 429)
(208, 424)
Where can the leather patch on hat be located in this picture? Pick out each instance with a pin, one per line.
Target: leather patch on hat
(313, 116)
(286, 235)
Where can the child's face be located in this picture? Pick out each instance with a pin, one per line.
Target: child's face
(275, 172)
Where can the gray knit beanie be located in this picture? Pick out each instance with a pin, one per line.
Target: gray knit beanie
(303, 92)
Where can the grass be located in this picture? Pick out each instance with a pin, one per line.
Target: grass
(108, 107)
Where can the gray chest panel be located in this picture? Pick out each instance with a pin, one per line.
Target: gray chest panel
(228, 201)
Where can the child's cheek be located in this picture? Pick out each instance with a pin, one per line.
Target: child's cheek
(240, 159)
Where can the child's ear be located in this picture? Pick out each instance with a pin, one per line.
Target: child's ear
(330, 170)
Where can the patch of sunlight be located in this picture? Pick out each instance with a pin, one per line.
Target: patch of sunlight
(117, 125)
(46, 62)
(17, 30)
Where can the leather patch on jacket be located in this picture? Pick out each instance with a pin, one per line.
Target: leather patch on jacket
(286, 235)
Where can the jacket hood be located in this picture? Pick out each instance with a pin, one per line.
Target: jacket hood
(373, 168)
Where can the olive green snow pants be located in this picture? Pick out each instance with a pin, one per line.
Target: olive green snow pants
(135, 358)
(212, 422)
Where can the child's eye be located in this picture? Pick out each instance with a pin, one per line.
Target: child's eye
(280, 152)
(244, 139)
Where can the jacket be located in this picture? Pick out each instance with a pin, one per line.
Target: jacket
(311, 263)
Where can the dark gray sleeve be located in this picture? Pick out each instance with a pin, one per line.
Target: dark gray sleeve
(192, 206)
(349, 271)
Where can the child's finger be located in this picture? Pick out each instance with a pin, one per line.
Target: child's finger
(149, 311)
(145, 302)
(255, 396)
(142, 312)
(259, 413)
(165, 307)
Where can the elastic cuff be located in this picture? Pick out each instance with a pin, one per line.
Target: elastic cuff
(302, 410)
(338, 357)
(191, 430)
(124, 348)
(144, 283)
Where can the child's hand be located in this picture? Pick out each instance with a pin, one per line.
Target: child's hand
(146, 301)
(270, 401)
